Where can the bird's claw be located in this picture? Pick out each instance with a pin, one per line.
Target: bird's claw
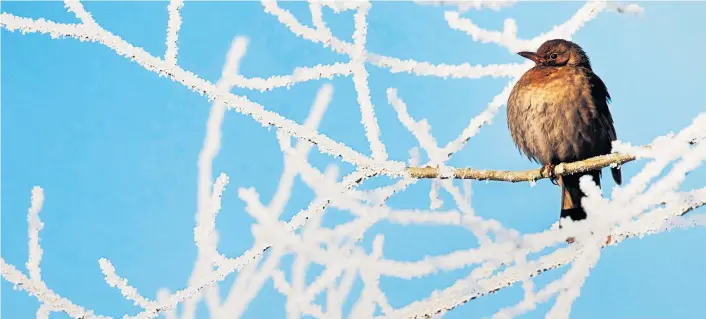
(548, 170)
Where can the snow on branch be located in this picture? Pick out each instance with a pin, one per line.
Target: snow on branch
(46, 296)
(508, 37)
(209, 194)
(34, 285)
(299, 75)
(459, 71)
(323, 35)
(421, 129)
(459, 293)
(360, 80)
(239, 103)
(173, 25)
(126, 290)
(76, 7)
(35, 226)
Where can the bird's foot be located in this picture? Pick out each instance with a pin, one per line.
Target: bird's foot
(548, 170)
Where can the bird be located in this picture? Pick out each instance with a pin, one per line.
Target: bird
(558, 112)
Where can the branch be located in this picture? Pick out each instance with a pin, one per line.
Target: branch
(360, 82)
(205, 233)
(45, 295)
(592, 163)
(35, 226)
(240, 104)
(460, 293)
(394, 65)
(173, 25)
(114, 280)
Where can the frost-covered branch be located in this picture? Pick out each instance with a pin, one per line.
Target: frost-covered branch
(459, 293)
(34, 285)
(77, 9)
(299, 75)
(35, 226)
(239, 103)
(173, 25)
(395, 65)
(209, 195)
(46, 296)
(508, 37)
(114, 280)
(360, 81)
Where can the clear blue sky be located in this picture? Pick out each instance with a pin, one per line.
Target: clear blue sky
(115, 147)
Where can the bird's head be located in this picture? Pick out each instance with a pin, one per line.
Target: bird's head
(558, 52)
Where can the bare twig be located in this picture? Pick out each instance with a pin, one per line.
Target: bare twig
(592, 163)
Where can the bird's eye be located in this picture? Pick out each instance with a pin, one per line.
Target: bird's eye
(553, 56)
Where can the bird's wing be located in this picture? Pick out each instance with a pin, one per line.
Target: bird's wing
(601, 98)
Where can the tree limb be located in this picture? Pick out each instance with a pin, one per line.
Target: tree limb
(592, 163)
(459, 294)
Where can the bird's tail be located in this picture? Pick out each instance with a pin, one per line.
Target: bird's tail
(571, 195)
(617, 176)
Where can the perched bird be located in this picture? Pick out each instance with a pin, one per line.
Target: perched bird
(558, 112)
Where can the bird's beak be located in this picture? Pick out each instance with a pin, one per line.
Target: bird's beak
(529, 55)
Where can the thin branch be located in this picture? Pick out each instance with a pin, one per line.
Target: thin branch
(45, 295)
(592, 163)
(173, 26)
(77, 8)
(360, 81)
(205, 233)
(114, 280)
(393, 64)
(241, 104)
(459, 293)
(35, 226)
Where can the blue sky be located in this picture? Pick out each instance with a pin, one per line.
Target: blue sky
(115, 147)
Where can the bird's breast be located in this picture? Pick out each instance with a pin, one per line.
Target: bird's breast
(542, 111)
(538, 92)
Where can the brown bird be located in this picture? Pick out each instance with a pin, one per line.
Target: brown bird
(558, 112)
